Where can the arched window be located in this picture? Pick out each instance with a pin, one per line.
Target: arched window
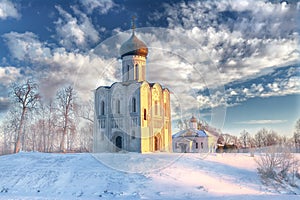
(156, 108)
(136, 72)
(102, 108)
(127, 73)
(133, 104)
(118, 106)
(145, 114)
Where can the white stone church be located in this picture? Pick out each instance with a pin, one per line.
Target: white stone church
(133, 115)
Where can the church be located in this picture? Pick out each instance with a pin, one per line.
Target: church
(132, 115)
(195, 139)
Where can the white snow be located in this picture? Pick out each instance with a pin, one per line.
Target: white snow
(33, 176)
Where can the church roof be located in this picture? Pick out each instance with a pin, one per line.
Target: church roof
(133, 46)
(190, 133)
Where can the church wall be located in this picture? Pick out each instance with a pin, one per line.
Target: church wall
(145, 105)
(167, 120)
(157, 116)
(120, 120)
(156, 129)
(100, 139)
(137, 134)
(192, 145)
(133, 119)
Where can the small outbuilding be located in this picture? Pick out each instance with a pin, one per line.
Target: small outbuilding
(191, 140)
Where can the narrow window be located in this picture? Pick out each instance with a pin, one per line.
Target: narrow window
(102, 123)
(145, 114)
(133, 105)
(156, 108)
(136, 72)
(102, 108)
(128, 68)
(201, 145)
(166, 109)
(133, 135)
(196, 145)
(118, 106)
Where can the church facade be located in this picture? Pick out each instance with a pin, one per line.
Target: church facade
(193, 140)
(132, 115)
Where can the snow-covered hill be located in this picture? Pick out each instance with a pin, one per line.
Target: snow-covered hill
(157, 176)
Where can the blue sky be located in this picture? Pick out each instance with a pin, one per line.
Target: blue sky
(233, 63)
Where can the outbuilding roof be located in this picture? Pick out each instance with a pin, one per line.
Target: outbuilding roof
(190, 133)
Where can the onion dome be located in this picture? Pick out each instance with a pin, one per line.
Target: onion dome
(133, 46)
(193, 119)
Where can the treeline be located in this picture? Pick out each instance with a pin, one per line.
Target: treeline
(263, 138)
(32, 123)
(246, 141)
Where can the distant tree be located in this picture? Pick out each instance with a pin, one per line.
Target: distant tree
(85, 133)
(220, 140)
(65, 98)
(296, 136)
(26, 96)
(9, 129)
(260, 138)
(272, 138)
(228, 139)
(245, 138)
(180, 125)
(86, 111)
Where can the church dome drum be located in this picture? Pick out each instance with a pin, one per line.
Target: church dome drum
(133, 46)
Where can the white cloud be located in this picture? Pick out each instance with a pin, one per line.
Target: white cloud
(265, 121)
(9, 74)
(242, 37)
(189, 58)
(103, 6)
(8, 9)
(75, 31)
(57, 67)
(4, 103)
(26, 46)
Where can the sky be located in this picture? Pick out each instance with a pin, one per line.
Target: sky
(234, 64)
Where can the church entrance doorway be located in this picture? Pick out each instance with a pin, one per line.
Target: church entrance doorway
(119, 144)
(183, 147)
(156, 143)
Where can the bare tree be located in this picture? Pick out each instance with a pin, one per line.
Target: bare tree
(226, 138)
(26, 96)
(272, 138)
(279, 166)
(65, 99)
(85, 113)
(296, 136)
(52, 118)
(260, 138)
(245, 139)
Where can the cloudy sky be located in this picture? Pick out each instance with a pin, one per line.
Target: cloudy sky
(234, 64)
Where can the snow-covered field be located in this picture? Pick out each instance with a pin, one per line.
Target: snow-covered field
(134, 176)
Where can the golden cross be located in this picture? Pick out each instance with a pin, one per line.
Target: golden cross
(133, 24)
